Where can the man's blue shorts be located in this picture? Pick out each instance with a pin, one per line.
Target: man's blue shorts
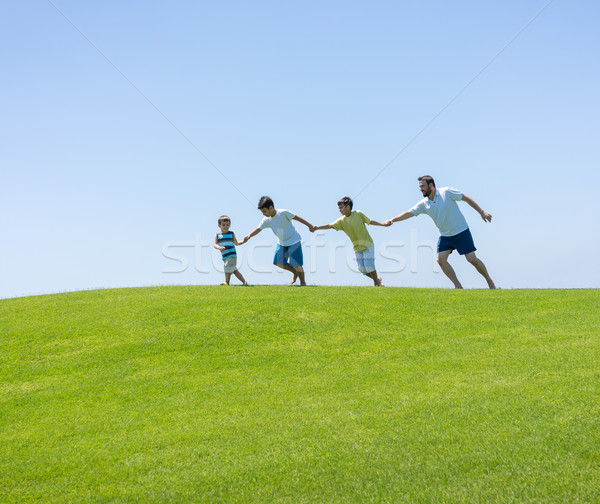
(463, 242)
(289, 256)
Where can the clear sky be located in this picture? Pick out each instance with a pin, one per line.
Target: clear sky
(106, 185)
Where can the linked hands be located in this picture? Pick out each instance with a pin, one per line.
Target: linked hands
(329, 226)
(319, 228)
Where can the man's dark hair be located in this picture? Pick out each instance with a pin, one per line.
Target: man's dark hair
(265, 202)
(428, 179)
(346, 200)
(222, 218)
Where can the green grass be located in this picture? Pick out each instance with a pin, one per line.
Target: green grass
(279, 394)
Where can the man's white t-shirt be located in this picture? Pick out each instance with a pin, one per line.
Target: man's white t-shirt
(444, 211)
(281, 224)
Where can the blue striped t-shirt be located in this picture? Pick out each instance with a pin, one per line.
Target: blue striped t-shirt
(226, 240)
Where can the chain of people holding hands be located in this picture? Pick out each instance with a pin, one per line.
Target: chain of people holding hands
(440, 204)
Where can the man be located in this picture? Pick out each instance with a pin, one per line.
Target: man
(440, 205)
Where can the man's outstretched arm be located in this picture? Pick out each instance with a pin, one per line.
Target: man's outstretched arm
(399, 217)
(471, 202)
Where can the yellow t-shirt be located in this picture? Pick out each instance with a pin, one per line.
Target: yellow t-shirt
(355, 227)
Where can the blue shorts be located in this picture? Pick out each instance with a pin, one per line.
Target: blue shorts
(289, 256)
(463, 242)
(366, 260)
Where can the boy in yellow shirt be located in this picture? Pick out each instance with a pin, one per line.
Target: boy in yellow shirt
(354, 224)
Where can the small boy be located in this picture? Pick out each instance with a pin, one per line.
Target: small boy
(225, 241)
(354, 225)
(288, 254)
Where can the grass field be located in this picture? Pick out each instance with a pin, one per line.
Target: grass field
(320, 394)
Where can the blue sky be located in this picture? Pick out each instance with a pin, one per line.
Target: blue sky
(106, 185)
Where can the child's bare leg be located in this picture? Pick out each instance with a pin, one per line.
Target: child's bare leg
(295, 277)
(227, 278)
(290, 269)
(376, 280)
(299, 273)
(239, 276)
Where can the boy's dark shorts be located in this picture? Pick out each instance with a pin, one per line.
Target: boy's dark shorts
(289, 256)
(463, 242)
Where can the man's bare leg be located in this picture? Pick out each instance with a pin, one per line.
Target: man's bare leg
(479, 266)
(442, 259)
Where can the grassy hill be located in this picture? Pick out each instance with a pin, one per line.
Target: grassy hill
(280, 394)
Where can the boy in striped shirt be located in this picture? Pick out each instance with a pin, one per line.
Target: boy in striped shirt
(225, 241)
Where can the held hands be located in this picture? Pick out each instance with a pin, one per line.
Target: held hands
(388, 223)
(312, 228)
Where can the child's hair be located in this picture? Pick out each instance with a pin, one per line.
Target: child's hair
(346, 200)
(265, 202)
(222, 218)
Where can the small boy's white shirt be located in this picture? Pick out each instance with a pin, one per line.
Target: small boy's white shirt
(281, 225)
